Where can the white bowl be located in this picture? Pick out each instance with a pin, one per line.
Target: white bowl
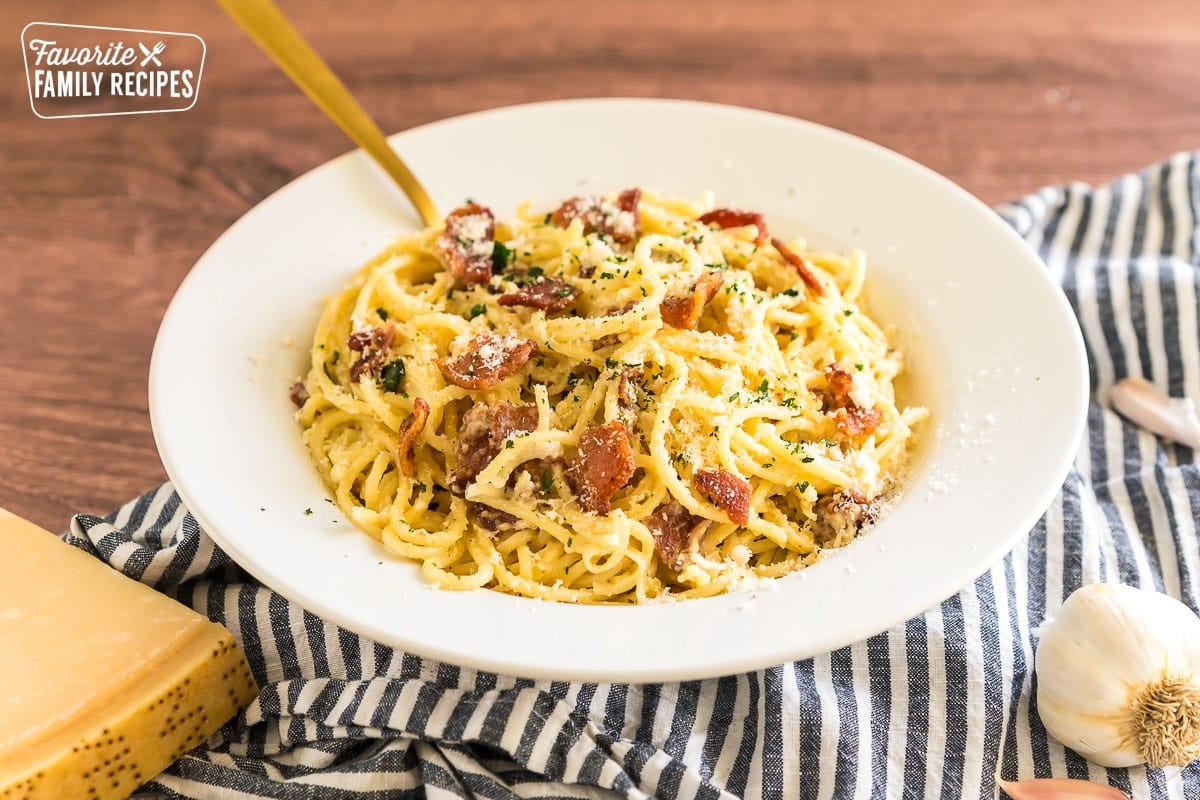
(994, 352)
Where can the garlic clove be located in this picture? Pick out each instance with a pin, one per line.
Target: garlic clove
(1171, 417)
(1060, 789)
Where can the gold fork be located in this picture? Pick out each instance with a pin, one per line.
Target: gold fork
(270, 29)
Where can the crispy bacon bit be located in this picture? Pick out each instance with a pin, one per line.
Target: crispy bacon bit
(410, 429)
(727, 492)
(602, 464)
(607, 340)
(855, 421)
(299, 394)
(841, 384)
(612, 339)
(481, 436)
(551, 295)
(371, 337)
(806, 274)
(683, 311)
(489, 359)
(620, 221)
(847, 511)
(543, 474)
(465, 247)
(672, 526)
(492, 519)
(628, 386)
(851, 418)
(617, 311)
(373, 343)
(732, 218)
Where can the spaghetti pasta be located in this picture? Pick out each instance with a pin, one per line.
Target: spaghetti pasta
(630, 398)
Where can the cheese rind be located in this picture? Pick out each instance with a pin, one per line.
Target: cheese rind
(105, 681)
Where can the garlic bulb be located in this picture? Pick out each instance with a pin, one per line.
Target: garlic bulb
(1119, 677)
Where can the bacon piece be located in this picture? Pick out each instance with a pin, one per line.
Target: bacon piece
(806, 275)
(856, 421)
(672, 526)
(373, 343)
(683, 311)
(627, 387)
(481, 435)
(603, 463)
(620, 221)
(298, 394)
(726, 491)
(850, 418)
(732, 218)
(465, 246)
(371, 337)
(611, 339)
(546, 294)
(607, 340)
(841, 384)
(489, 359)
(492, 519)
(410, 429)
(543, 472)
(846, 511)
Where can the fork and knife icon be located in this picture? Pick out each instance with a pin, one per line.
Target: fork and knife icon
(151, 55)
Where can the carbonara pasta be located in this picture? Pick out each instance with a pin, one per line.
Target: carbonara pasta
(630, 398)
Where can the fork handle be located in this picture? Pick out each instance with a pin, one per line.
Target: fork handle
(272, 31)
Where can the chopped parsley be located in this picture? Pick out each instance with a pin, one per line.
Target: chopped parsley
(847, 312)
(392, 375)
(535, 272)
(803, 487)
(382, 312)
(547, 481)
(858, 367)
(336, 355)
(570, 541)
(509, 444)
(308, 512)
(734, 396)
(476, 310)
(790, 292)
(764, 386)
(807, 460)
(500, 256)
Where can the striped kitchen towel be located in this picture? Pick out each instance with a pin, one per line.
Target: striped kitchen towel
(934, 708)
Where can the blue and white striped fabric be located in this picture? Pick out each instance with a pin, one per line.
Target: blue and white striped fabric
(934, 708)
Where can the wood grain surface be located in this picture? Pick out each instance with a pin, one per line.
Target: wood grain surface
(100, 219)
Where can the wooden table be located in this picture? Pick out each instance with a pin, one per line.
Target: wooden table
(102, 218)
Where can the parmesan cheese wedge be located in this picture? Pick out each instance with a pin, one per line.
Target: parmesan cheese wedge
(104, 682)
